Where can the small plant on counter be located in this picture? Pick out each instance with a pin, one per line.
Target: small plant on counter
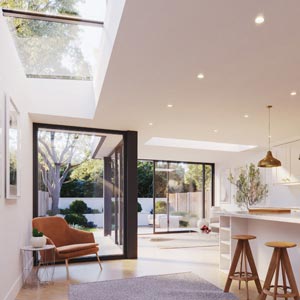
(38, 240)
(36, 233)
(250, 189)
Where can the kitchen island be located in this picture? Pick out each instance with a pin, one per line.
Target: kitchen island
(266, 227)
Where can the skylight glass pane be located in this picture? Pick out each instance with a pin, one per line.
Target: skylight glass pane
(194, 144)
(85, 9)
(56, 50)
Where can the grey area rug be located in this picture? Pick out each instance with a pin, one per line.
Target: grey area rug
(182, 286)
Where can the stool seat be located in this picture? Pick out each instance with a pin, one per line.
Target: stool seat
(243, 237)
(281, 244)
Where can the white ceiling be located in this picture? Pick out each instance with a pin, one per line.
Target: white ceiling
(160, 48)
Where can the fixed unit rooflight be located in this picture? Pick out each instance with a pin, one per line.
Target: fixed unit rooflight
(194, 144)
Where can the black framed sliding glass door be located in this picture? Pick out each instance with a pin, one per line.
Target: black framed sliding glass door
(82, 175)
(183, 195)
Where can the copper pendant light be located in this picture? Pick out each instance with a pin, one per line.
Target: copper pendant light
(269, 161)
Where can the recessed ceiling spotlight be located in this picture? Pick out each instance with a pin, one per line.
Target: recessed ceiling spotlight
(293, 93)
(200, 76)
(216, 130)
(170, 105)
(150, 124)
(259, 19)
(246, 116)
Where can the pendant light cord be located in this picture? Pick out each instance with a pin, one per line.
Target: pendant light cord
(269, 107)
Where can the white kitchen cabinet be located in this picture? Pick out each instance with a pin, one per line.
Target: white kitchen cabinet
(228, 227)
(225, 244)
(282, 175)
(289, 155)
(295, 161)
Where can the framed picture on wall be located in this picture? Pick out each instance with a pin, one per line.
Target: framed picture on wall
(225, 187)
(2, 142)
(12, 149)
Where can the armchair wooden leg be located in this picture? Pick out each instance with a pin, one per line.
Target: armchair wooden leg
(67, 266)
(99, 261)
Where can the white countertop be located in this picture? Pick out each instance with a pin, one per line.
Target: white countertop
(279, 217)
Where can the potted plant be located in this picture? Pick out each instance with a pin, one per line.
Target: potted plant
(250, 189)
(38, 240)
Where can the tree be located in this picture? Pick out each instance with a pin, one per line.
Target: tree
(194, 177)
(84, 181)
(145, 179)
(176, 178)
(59, 153)
(250, 189)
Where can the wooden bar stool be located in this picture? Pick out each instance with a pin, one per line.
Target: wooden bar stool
(243, 253)
(280, 257)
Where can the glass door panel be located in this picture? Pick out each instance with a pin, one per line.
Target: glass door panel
(160, 204)
(208, 188)
(183, 195)
(77, 181)
(117, 200)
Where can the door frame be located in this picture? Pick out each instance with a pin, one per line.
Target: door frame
(130, 184)
(154, 161)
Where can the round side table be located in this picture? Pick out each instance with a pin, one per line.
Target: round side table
(43, 272)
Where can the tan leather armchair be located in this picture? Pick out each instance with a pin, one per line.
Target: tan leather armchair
(68, 242)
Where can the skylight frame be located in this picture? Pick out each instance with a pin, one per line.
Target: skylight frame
(197, 145)
(22, 14)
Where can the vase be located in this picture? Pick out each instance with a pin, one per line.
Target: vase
(38, 242)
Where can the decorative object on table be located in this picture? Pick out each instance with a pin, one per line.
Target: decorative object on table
(250, 189)
(205, 229)
(38, 240)
(270, 210)
(180, 286)
(12, 151)
(269, 161)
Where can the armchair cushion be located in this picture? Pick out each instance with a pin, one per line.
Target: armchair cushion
(75, 247)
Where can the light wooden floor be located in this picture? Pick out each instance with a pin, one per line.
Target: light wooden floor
(153, 260)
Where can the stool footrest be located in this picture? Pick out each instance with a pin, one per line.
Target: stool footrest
(280, 295)
(243, 277)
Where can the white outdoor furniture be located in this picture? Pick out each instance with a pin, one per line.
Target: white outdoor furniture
(161, 221)
(214, 219)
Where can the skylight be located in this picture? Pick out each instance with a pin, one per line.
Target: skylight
(201, 145)
(57, 39)
(84, 9)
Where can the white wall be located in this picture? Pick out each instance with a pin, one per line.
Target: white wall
(94, 203)
(278, 196)
(15, 215)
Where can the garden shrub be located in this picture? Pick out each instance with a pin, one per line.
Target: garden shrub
(179, 213)
(76, 219)
(78, 207)
(183, 223)
(161, 207)
(91, 224)
(139, 207)
(65, 211)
